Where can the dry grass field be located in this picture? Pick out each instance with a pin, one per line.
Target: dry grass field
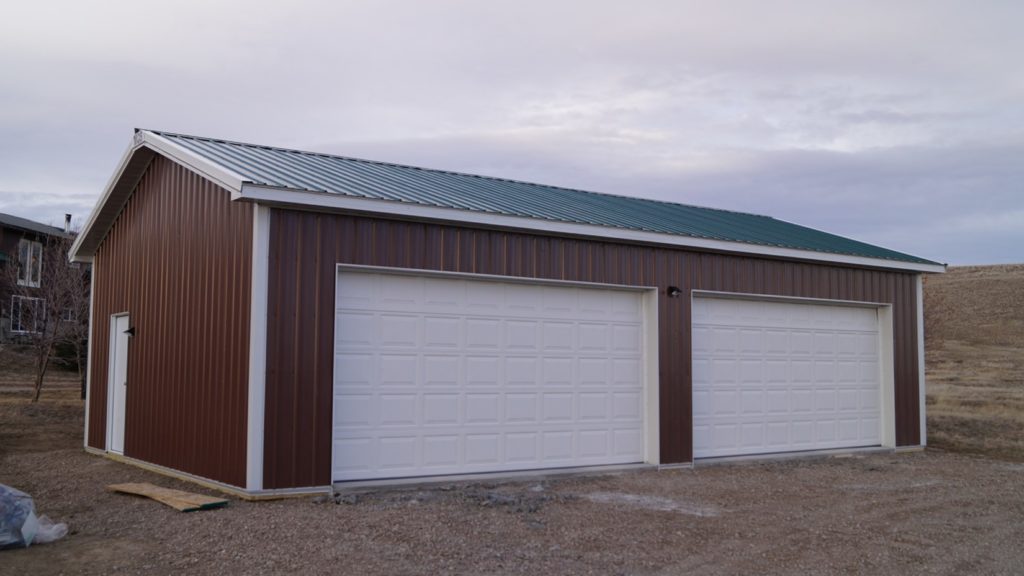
(974, 353)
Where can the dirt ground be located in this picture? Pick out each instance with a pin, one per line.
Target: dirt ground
(957, 508)
(930, 512)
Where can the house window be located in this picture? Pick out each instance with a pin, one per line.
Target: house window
(67, 315)
(28, 315)
(30, 263)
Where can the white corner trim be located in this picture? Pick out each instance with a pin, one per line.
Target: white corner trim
(418, 211)
(222, 176)
(920, 359)
(88, 354)
(257, 348)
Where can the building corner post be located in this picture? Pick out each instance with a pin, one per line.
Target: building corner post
(257, 348)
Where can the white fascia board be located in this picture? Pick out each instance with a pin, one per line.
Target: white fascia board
(301, 198)
(211, 170)
(146, 139)
(118, 172)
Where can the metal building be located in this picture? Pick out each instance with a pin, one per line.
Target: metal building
(271, 320)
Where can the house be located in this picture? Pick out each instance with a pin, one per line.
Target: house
(22, 244)
(272, 321)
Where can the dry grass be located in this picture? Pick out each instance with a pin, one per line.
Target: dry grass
(974, 347)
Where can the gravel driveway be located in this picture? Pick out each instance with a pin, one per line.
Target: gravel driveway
(909, 513)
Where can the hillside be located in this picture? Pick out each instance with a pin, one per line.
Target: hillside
(974, 356)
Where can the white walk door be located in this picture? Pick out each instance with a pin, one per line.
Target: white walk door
(781, 377)
(448, 375)
(117, 384)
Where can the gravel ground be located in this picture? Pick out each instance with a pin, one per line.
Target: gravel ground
(931, 513)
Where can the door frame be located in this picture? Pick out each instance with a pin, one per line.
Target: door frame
(886, 368)
(111, 369)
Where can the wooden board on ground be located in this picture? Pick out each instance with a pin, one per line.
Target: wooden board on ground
(177, 499)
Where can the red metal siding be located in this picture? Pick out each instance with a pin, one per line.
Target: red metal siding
(178, 260)
(305, 248)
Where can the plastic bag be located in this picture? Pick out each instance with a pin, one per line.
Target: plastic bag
(19, 526)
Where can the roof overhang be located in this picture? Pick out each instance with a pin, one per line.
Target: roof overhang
(336, 202)
(145, 145)
(134, 162)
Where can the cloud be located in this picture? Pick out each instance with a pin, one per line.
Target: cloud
(895, 123)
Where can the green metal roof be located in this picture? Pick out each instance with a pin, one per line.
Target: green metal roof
(314, 172)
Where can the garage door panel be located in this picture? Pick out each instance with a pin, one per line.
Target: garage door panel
(593, 406)
(449, 376)
(441, 409)
(355, 329)
(396, 369)
(781, 376)
(441, 332)
(627, 406)
(627, 372)
(594, 372)
(522, 335)
(628, 441)
(522, 371)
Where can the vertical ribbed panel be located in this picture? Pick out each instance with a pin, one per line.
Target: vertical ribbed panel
(178, 260)
(306, 246)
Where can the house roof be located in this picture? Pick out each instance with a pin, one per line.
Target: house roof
(282, 176)
(12, 221)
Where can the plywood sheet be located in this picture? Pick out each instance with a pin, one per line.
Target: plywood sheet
(177, 499)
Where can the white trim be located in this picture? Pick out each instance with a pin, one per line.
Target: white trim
(88, 355)
(220, 175)
(21, 313)
(782, 298)
(242, 493)
(257, 348)
(800, 455)
(509, 476)
(397, 271)
(652, 380)
(887, 375)
(28, 264)
(416, 211)
(107, 190)
(921, 387)
(146, 139)
(111, 369)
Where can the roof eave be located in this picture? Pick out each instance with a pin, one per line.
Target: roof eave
(307, 199)
(134, 162)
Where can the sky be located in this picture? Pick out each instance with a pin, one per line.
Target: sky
(896, 123)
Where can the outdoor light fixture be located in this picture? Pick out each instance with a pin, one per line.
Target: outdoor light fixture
(673, 292)
(130, 331)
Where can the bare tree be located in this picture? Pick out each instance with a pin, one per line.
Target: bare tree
(50, 306)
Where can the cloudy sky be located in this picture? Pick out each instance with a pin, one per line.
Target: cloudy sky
(896, 123)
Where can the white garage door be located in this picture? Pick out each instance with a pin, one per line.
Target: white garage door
(437, 375)
(780, 377)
